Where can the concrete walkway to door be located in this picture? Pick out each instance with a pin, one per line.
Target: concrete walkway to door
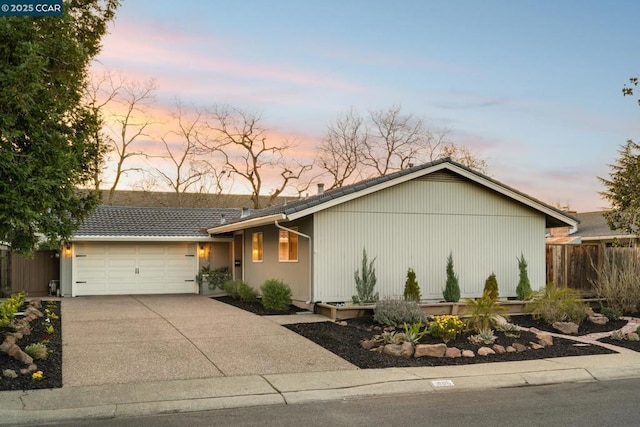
(132, 339)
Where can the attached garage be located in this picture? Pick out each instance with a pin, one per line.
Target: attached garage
(124, 268)
(132, 250)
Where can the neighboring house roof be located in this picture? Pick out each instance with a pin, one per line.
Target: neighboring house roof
(127, 223)
(295, 209)
(187, 200)
(594, 226)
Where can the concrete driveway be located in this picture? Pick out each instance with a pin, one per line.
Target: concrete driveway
(131, 339)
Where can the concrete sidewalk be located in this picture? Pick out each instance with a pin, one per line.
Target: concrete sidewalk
(125, 400)
(139, 355)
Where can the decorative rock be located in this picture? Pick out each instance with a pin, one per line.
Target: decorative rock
(598, 320)
(17, 335)
(407, 350)
(378, 349)
(12, 350)
(485, 351)
(499, 320)
(394, 350)
(519, 347)
(569, 328)
(510, 349)
(367, 344)
(544, 339)
(632, 336)
(10, 339)
(589, 311)
(29, 369)
(453, 353)
(536, 346)
(468, 353)
(430, 350)
(343, 323)
(389, 328)
(9, 373)
(23, 357)
(499, 349)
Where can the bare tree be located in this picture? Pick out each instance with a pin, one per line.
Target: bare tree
(341, 151)
(181, 151)
(243, 143)
(131, 124)
(394, 141)
(385, 142)
(101, 89)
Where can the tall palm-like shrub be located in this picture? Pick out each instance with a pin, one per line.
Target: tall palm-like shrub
(451, 291)
(365, 282)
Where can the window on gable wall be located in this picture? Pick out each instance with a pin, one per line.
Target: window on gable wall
(256, 247)
(288, 245)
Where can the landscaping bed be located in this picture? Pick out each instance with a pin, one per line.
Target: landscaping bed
(50, 367)
(344, 341)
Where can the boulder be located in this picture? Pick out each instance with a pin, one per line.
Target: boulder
(468, 353)
(485, 351)
(544, 339)
(453, 353)
(519, 347)
(536, 346)
(499, 320)
(430, 350)
(510, 349)
(499, 349)
(9, 373)
(598, 320)
(632, 336)
(367, 344)
(568, 328)
(392, 350)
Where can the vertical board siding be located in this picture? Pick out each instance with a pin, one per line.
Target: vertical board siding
(416, 225)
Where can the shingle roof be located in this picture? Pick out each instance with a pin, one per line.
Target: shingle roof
(123, 221)
(291, 207)
(594, 224)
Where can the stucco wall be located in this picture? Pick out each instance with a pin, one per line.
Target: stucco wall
(294, 273)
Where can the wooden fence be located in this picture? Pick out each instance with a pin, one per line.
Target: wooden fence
(574, 266)
(31, 275)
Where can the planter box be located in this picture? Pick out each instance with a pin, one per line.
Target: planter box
(334, 312)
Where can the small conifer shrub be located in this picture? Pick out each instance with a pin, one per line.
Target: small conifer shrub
(523, 290)
(491, 287)
(365, 282)
(276, 295)
(451, 291)
(411, 287)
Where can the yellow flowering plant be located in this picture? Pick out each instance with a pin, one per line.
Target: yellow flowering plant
(37, 376)
(446, 327)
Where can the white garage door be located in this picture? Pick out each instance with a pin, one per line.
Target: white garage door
(125, 268)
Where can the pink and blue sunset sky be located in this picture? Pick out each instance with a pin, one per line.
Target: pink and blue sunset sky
(532, 86)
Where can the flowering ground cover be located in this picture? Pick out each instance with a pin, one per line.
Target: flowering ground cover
(46, 330)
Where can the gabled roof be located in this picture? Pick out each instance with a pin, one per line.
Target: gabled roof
(292, 210)
(593, 225)
(187, 200)
(140, 223)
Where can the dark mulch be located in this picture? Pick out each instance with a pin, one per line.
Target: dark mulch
(345, 342)
(51, 367)
(631, 345)
(256, 307)
(585, 327)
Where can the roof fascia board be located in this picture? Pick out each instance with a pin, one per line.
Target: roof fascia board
(149, 239)
(366, 191)
(241, 225)
(611, 237)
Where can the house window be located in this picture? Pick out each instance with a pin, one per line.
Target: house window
(256, 247)
(288, 245)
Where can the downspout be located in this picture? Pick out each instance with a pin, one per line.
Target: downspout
(311, 299)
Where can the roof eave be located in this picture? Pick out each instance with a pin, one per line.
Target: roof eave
(120, 238)
(249, 223)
